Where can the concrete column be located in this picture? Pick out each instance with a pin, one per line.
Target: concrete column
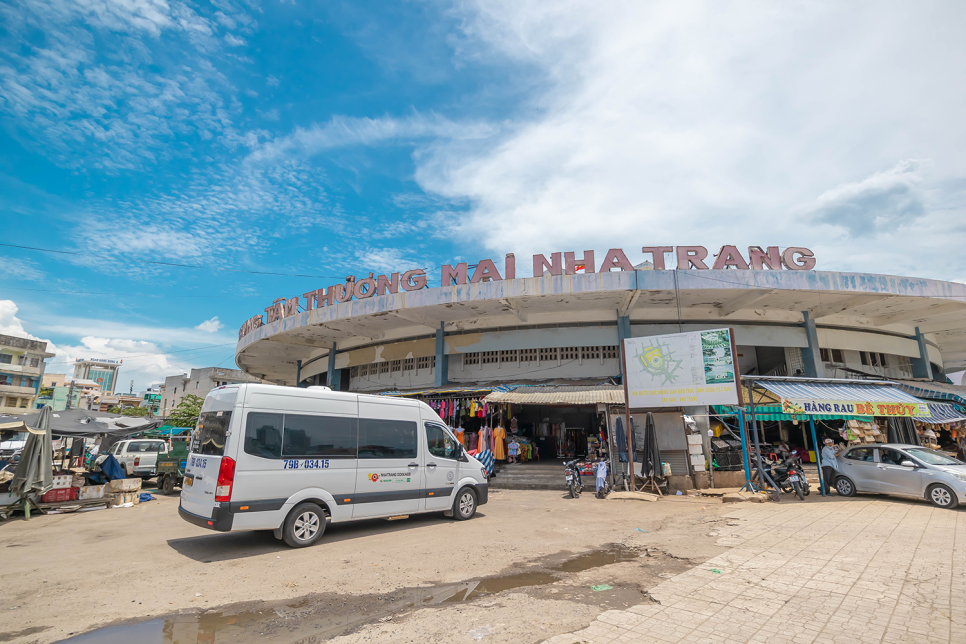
(442, 360)
(623, 328)
(331, 376)
(921, 367)
(812, 356)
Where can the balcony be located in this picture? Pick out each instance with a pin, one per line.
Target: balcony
(20, 369)
(14, 390)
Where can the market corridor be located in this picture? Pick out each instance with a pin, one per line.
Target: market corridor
(869, 570)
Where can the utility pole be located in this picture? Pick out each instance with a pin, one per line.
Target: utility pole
(70, 394)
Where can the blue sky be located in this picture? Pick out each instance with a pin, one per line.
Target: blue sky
(329, 138)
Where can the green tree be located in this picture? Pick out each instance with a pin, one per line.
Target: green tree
(187, 412)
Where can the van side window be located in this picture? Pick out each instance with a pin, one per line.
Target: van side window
(330, 436)
(387, 439)
(440, 443)
(263, 435)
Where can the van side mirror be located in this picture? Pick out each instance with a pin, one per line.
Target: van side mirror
(907, 464)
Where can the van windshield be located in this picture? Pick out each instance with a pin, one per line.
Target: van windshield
(211, 432)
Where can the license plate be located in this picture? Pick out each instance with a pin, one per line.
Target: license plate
(570, 478)
(794, 478)
(188, 480)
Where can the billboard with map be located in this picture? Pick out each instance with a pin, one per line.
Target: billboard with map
(681, 369)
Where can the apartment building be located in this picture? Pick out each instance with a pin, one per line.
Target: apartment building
(199, 382)
(21, 371)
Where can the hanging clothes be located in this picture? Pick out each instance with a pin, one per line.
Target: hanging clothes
(499, 448)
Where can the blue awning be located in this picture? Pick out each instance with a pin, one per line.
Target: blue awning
(934, 390)
(837, 391)
(942, 413)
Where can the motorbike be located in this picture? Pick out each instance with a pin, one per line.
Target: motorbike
(572, 474)
(790, 477)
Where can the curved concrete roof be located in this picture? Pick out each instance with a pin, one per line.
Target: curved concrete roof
(860, 301)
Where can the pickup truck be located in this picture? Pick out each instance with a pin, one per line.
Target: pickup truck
(138, 457)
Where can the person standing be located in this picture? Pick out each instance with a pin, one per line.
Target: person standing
(830, 463)
(600, 469)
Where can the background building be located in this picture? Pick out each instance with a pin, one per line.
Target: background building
(199, 382)
(103, 372)
(21, 371)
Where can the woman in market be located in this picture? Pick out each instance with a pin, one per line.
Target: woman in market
(830, 464)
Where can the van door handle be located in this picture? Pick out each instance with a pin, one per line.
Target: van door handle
(414, 465)
(430, 464)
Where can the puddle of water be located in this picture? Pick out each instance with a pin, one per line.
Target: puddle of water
(325, 616)
(598, 558)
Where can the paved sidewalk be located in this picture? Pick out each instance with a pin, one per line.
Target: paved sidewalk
(860, 570)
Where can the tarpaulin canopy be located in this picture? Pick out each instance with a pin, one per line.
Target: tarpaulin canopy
(34, 473)
(559, 395)
(82, 423)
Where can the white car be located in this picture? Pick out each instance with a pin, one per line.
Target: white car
(289, 459)
(137, 457)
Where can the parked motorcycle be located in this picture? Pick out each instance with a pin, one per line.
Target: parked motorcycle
(572, 474)
(790, 476)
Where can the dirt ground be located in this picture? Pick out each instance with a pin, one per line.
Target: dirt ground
(406, 580)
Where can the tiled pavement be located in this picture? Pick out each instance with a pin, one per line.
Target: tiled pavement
(849, 571)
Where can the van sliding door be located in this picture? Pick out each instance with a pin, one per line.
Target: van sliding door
(388, 475)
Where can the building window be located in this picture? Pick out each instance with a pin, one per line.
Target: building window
(610, 352)
(547, 355)
(354, 372)
(590, 353)
(489, 357)
(409, 364)
(508, 355)
(383, 367)
(832, 355)
(568, 353)
(6, 358)
(423, 362)
(471, 358)
(528, 355)
(21, 360)
(35, 362)
(196, 386)
(23, 402)
(395, 366)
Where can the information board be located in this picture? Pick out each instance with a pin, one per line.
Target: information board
(680, 369)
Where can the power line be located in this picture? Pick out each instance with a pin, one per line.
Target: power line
(46, 290)
(145, 355)
(175, 264)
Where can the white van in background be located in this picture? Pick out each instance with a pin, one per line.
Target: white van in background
(266, 457)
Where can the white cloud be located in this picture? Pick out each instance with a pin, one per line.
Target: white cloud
(211, 326)
(713, 123)
(145, 361)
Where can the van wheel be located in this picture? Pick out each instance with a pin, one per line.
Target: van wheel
(304, 525)
(465, 505)
(941, 496)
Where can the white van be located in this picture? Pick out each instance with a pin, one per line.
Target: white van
(265, 457)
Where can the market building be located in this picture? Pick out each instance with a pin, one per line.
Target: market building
(102, 371)
(545, 350)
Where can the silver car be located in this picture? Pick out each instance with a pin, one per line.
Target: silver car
(902, 470)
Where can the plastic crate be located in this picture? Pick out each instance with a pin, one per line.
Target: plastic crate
(61, 494)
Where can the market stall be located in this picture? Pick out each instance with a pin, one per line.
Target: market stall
(54, 471)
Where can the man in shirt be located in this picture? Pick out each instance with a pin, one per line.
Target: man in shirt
(830, 464)
(600, 469)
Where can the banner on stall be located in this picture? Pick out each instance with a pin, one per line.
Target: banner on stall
(854, 408)
(681, 369)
